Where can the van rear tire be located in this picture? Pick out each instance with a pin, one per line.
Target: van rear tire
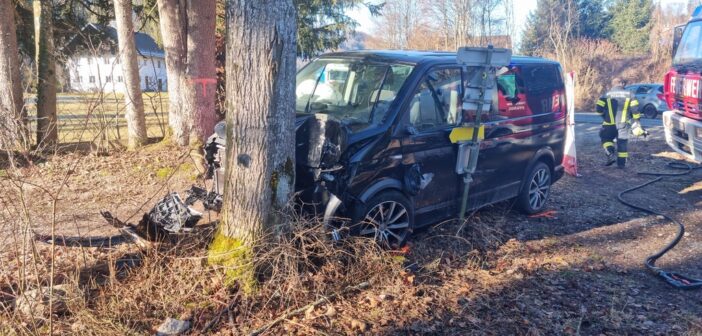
(536, 189)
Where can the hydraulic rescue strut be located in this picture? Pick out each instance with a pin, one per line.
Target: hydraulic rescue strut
(479, 69)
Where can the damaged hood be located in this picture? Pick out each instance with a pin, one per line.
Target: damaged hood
(320, 139)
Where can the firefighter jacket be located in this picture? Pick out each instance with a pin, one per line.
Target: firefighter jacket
(618, 107)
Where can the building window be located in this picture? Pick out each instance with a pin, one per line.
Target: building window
(108, 79)
(91, 79)
(79, 79)
(159, 64)
(89, 60)
(146, 81)
(107, 60)
(119, 79)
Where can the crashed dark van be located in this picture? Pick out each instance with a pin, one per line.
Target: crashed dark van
(372, 139)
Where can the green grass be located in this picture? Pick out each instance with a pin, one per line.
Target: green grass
(104, 116)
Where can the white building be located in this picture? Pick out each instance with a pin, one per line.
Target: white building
(94, 65)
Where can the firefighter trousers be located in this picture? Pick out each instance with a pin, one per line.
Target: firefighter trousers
(611, 133)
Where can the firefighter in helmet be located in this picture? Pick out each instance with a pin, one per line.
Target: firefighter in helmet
(620, 113)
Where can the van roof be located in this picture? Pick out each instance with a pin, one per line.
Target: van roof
(413, 56)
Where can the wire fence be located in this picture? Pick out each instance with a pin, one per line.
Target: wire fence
(82, 118)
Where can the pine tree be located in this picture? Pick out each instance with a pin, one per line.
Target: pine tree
(593, 19)
(630, 24)
(591, 22)
(323, 24)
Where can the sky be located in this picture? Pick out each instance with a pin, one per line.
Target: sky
(522, 8)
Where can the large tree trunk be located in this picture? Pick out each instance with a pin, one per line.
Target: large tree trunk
(173, 21)
(261, 45)
(47, 128)
(12, 129)
(188, 29)
(136, 121)
(201, 71)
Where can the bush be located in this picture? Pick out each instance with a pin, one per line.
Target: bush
(597, 62)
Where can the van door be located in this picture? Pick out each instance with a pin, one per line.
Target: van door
(497, 177)
(428, 153)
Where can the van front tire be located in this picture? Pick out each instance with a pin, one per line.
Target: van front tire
(388, 218)
(536, 189)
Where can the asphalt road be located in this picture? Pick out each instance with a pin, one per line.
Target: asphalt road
(593, 118)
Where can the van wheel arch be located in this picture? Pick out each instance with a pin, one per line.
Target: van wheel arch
(544, 155)
(381, 186)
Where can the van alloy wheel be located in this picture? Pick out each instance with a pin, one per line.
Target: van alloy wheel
(539, 188)
(388, 223)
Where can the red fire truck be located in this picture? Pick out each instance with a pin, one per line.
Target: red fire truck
(683, 123)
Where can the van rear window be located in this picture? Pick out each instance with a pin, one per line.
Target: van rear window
(542, 78)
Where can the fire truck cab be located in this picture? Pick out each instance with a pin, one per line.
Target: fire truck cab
(683, 122)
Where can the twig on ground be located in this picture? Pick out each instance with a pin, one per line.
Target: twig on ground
(219, 315)
(302, 309)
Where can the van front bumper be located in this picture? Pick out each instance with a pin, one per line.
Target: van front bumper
(683, 134)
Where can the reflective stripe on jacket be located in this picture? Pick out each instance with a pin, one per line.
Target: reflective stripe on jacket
(618, 107)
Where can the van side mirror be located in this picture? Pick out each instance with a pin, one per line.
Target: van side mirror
(677, 36)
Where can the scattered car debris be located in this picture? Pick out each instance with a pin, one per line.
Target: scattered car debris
(35, 303)
(172, 327)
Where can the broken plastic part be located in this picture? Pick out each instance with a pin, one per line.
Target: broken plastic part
(173, 215)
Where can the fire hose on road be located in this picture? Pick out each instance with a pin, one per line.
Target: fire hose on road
(676, 280)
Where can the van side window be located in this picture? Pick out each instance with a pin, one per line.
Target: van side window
(511, 95)
(544, 88)
(437, 101)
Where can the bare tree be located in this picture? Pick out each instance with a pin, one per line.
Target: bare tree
(563, 19)
(47, 128)
(260, 165)
(12, 112)
(173, 21)
(444, 24)
(188, 29)
(400, 20)
(201, 71)
(134, 103)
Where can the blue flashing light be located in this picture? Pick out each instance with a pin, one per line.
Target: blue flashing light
(697, 13)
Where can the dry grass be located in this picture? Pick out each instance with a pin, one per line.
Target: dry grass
(115, 290)
(175, 280)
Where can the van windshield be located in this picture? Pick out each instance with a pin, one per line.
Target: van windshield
(690, 48)
(356, 92)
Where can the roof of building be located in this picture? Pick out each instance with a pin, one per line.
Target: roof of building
(145, 44)
(416, 57)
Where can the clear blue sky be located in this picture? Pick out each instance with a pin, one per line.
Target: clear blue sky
(521, 11)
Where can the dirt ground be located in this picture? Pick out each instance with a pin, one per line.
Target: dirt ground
(580, 272)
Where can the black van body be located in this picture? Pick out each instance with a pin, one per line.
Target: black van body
(398, 173)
